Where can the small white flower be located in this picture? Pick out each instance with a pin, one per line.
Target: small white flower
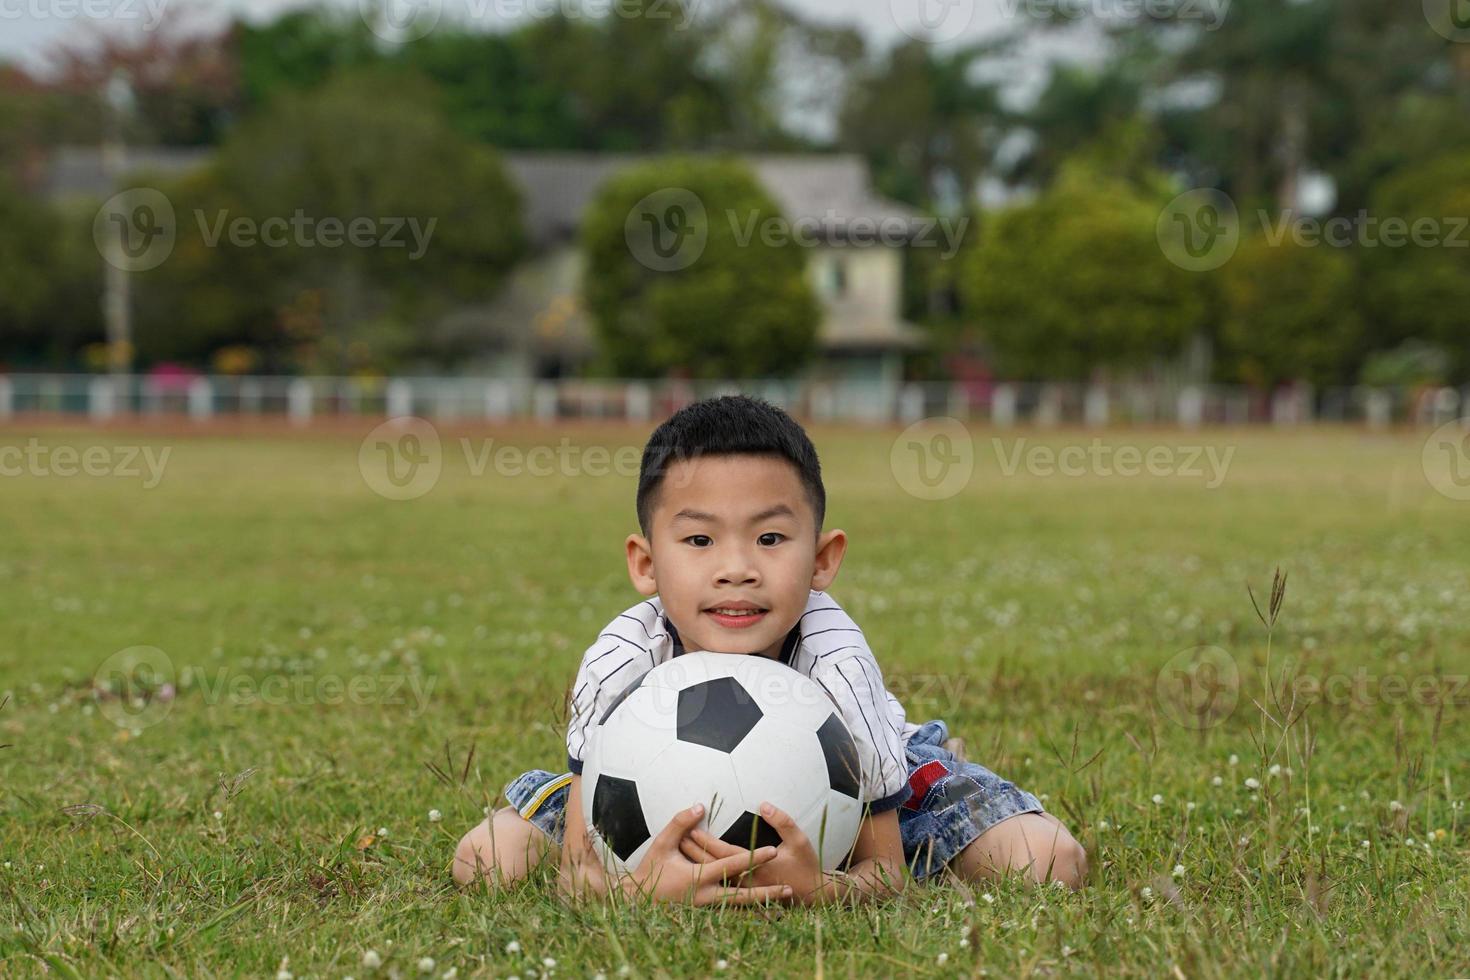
(1366, 845)
(1395, 806)
(1410, 842)
(1104, 825)
(624, 970)
(1178, 871)
(987, 898)
(942, 959)
(283, 975)
(450, 973)
(549, 963)
(218, 815)
(599, 976)
(1189, 805)
(513, 947)
(1244, 841)
(1067, 951)
(1158, 800)
(371, 959)
(964, 942)
(722, 964)
(426, 964)
(1146, 892)
(1275, 770)
(382, 831)
(435, 816)
(1217, 781)
(1234, 759)
(1252, 783)
(1342, 808)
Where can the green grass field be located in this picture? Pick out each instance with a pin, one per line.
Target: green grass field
(327, 644)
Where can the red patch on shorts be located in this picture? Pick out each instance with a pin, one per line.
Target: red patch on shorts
(923, 777)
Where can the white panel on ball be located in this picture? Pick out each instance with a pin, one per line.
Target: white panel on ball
(777, 761)
(704, 775)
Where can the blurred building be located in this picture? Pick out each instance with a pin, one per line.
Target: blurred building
(537, 326)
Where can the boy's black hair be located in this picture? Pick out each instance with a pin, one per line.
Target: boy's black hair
(726, 426)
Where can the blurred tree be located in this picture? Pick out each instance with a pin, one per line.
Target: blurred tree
(777, 70)
(183, 82)
(669, 101)
(337, 305)
(927, 126)
(731, 307)
(300, 50)
(1289, 313)
(1077, 106)
(1420, 290)
(494, 88)
(28, 244)
(1075, 281)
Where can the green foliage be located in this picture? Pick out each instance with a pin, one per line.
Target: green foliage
(1289, 313)
(432, 242)
(742, 309)
(300, 50)
(924, 122)
(1416, 291)
(1075, 280)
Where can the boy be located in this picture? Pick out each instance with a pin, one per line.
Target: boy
(730, 505)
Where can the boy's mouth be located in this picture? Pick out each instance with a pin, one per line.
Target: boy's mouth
(737, 615)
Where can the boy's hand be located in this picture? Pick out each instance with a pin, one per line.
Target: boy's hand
(796, 862)
(666, 874)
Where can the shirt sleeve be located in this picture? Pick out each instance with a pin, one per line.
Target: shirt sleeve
(609, 665)
(856, 684)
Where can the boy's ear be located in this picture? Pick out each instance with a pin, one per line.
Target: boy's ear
(640, 564)
(831, 546)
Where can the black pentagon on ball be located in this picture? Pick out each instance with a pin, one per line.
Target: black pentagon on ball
(717, 713)
(637, 681)
(618, 815)
(844, 770)
(747, 823)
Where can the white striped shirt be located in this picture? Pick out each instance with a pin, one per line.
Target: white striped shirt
(825, 645)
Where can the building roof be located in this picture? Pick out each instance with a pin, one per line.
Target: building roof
(78, 171)
(829, 191)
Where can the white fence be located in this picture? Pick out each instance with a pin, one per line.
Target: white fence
(303, 399)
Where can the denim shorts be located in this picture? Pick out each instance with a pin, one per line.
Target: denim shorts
(953, 802)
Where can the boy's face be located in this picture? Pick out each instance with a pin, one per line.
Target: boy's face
(733, 533)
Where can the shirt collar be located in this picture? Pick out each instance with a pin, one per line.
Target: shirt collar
(788, 646)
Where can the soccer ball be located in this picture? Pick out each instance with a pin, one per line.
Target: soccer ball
(728, 731)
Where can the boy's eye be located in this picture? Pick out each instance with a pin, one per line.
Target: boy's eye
(772, 534)
(698, 540)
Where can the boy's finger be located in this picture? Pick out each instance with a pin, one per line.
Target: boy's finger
(678, 826)
(714, 845)
(783, 823)
(736, 863)
(695, 853)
